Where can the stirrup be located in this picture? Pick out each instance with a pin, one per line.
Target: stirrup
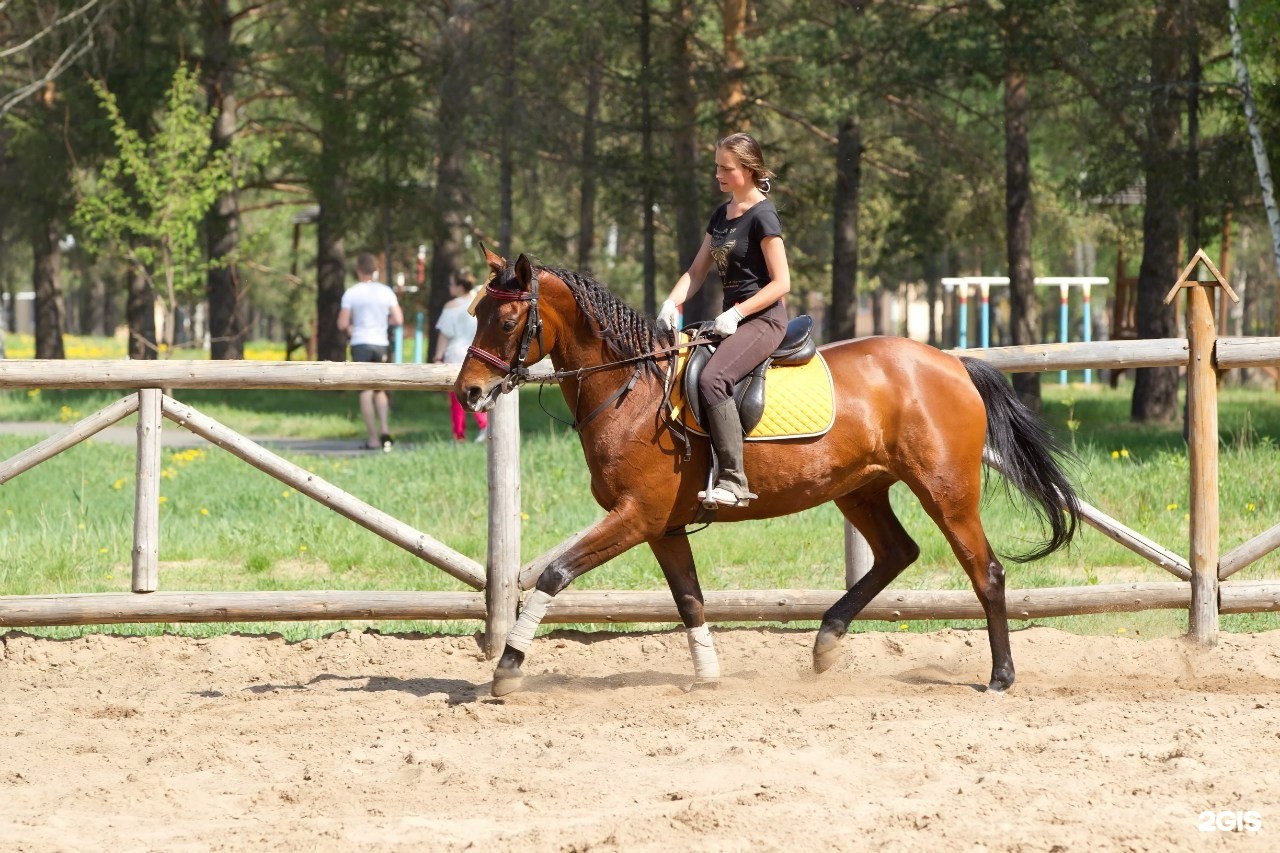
(722, 497)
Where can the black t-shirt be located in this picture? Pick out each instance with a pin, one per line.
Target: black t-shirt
(736, 249)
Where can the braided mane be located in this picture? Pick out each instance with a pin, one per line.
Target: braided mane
(626, 332)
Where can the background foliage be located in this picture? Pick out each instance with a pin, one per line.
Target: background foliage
(541, 127)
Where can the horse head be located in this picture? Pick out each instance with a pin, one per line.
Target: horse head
(509, 333)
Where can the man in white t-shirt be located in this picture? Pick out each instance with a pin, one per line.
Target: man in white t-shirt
(368, 309)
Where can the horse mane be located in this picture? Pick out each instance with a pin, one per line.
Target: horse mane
(625, 331)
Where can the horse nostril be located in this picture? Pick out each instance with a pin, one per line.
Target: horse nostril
(473, 395)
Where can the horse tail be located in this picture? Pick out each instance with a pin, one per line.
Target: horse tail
(1029, 457)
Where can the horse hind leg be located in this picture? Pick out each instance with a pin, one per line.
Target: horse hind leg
(893, 549)
(956, 514)
(676, 559)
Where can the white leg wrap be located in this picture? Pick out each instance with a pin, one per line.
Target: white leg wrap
(703, 649)
(535, 607)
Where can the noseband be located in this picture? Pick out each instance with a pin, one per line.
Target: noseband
(517, 372)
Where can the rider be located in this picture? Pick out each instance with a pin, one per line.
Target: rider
(744, 238)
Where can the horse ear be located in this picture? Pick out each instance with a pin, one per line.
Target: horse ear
(495, 262)
(524, 272)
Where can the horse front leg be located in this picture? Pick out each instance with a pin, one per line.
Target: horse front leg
(606, 539)
(676, 558)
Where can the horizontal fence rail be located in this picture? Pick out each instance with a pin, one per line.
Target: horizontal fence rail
(501, 579)
(610, 606)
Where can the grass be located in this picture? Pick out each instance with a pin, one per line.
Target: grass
(67, 524)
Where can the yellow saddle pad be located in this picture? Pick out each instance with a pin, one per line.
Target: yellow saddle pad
(799, 402)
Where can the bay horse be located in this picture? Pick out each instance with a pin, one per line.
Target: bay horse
(905, 412)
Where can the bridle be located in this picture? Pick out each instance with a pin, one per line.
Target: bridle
(517, 372)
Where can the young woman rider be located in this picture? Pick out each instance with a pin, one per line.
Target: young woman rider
(744, 239)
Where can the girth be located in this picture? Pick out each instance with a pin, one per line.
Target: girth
(797, 348)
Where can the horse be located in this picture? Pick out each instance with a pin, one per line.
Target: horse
(905, 412)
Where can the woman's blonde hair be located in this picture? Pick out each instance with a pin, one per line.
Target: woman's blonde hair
(744, 147)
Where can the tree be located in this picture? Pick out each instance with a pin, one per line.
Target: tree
(1024, 304)
(150, 200)
(1155, 390)
(227, 328)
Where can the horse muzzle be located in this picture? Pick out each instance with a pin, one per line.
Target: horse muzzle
(478, 398)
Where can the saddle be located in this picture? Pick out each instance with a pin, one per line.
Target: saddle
(797, 348)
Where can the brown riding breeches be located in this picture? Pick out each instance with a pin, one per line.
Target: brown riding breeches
(737, 355)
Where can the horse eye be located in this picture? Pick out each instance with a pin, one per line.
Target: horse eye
(508, 325)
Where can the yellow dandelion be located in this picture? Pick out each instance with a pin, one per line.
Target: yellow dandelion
(204, 511)
(118, 484)
(1115, 454)
(1186, 517)
(81, 525)
(284, 494)
(302, 547)
(33, 393)
(102, 550)
(163, 499)
(168, 473)
(1120, 630)
(1124, 453)
(1251, 507)
(902, 627)
(1171, 507)
(524, 516)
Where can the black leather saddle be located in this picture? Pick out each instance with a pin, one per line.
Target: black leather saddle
(797, 347)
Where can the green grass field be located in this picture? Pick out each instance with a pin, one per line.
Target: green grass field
(224, 526)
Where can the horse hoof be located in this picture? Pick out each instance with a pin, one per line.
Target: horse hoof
(826, 651)
(505, 682)
(703, 684)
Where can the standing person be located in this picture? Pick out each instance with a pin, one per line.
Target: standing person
(744, 238)
(368, 309)
(457, 327)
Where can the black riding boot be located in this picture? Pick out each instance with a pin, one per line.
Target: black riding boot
(726, 437)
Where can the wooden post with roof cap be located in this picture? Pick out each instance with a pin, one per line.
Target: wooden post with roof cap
(1202, 440)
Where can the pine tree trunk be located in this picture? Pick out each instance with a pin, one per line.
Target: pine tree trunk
(690, 218)
(506, 161)
(1155, 389)
(46, 280)
(842, 317)
(646, 149)
(1024, 305)
(222, 225)
(1261, 162)
(451, 138)
(140, 314)
(587, 196)
(331, 226)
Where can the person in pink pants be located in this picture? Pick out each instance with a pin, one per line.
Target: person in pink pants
(456, 328)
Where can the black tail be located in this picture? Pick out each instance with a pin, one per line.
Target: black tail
(1029, 457)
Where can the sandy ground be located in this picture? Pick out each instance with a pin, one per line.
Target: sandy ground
(370, 742)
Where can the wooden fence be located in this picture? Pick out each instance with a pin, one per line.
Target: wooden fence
(498, 584)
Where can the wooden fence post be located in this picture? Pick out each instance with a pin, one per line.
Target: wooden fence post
(1202, 438)
(146, 502)
(1202, 432)
(502, 588)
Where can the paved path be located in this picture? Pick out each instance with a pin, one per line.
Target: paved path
(175, 437)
